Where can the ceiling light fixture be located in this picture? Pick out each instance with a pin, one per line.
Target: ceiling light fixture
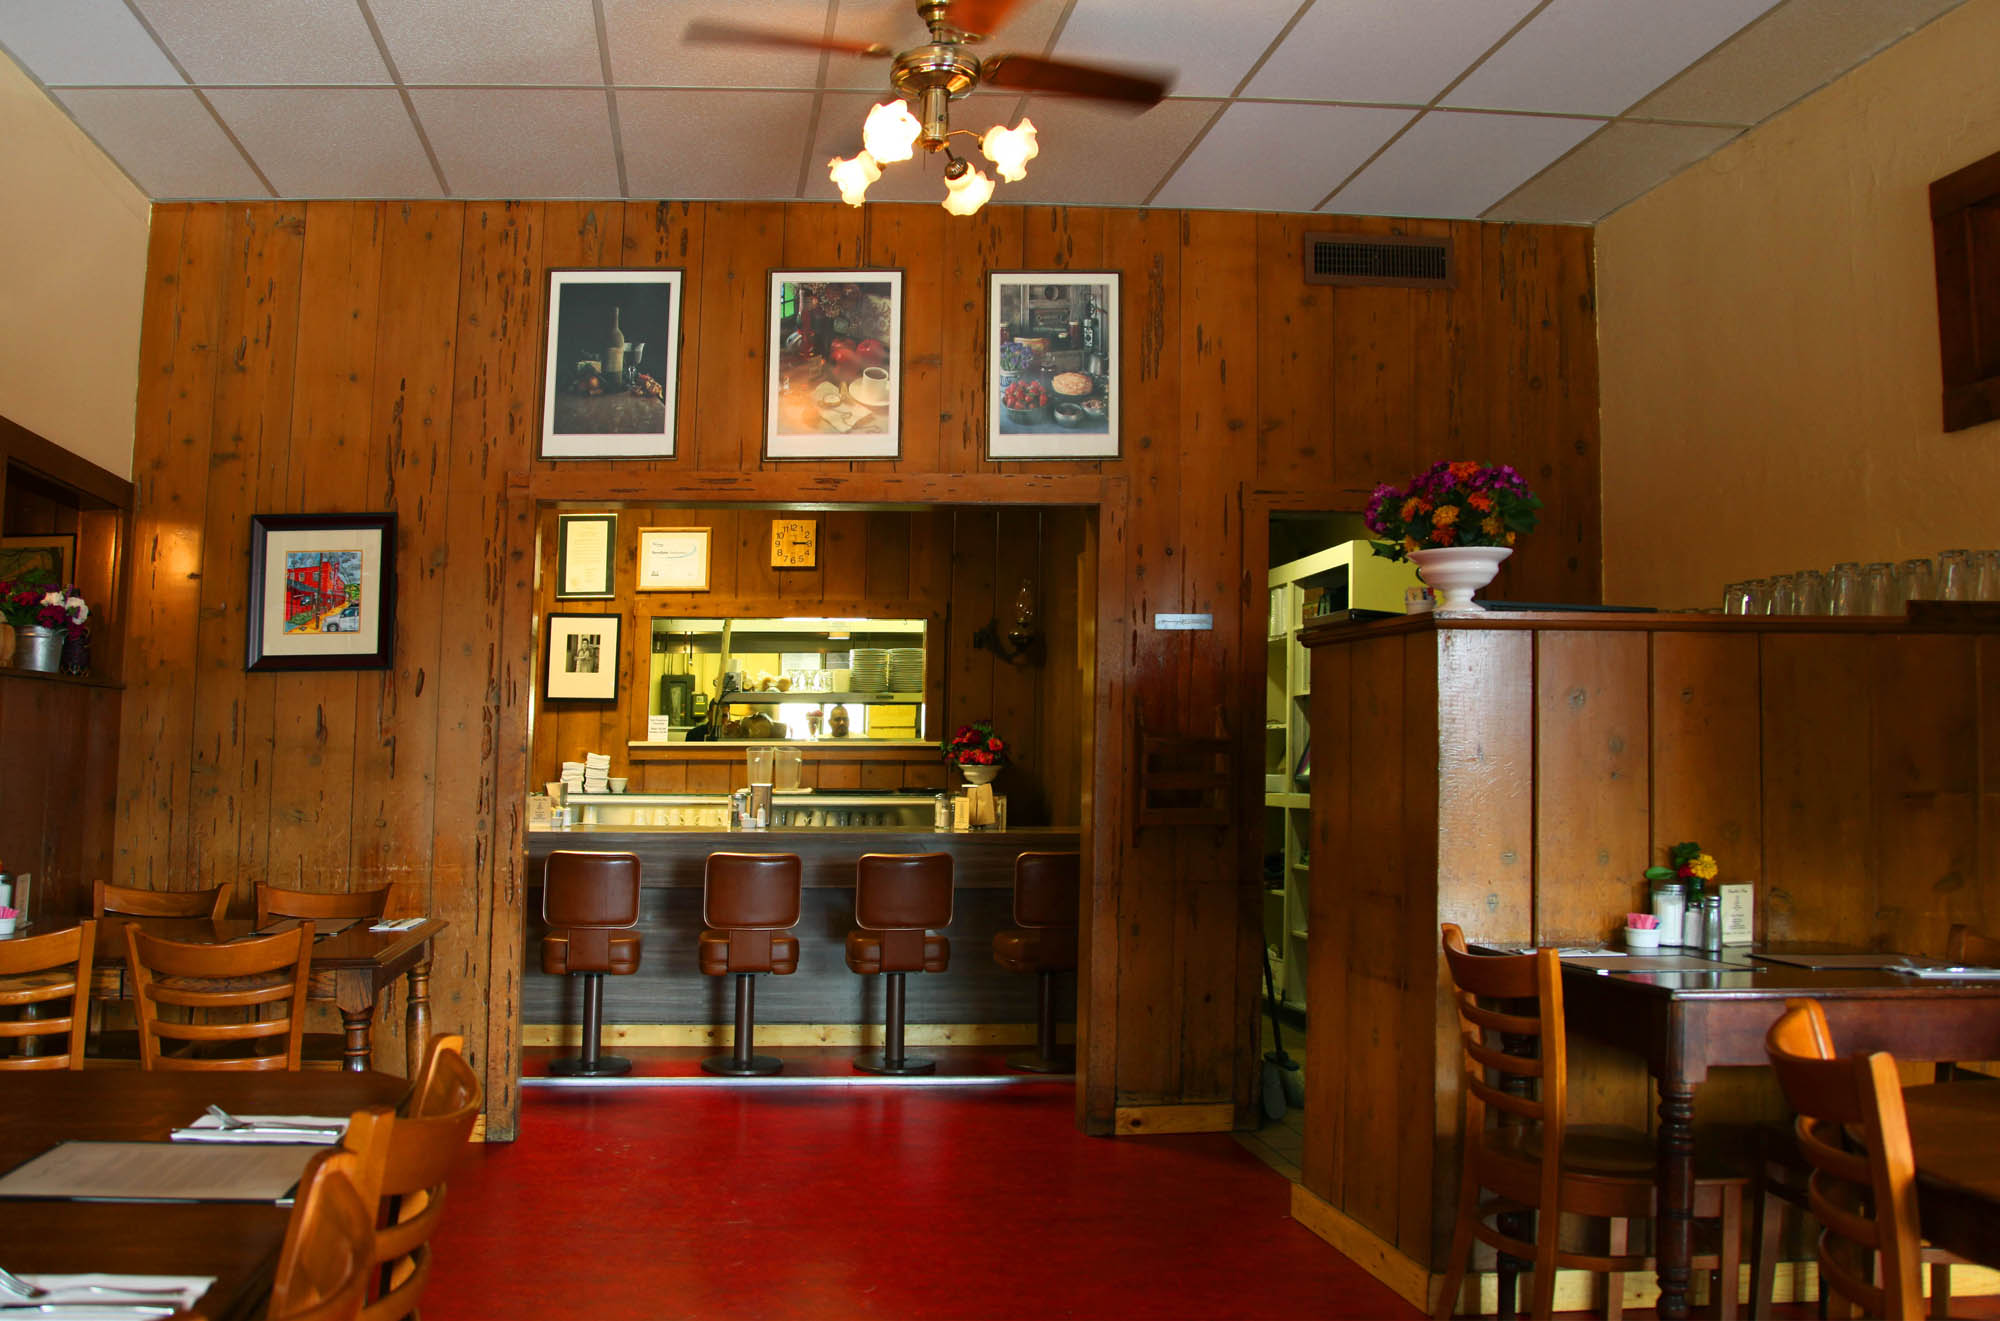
(893, 134)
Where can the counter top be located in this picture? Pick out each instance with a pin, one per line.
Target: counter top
(673, 856)
(1931, 617)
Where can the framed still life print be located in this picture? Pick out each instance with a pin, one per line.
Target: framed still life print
(834, 386)
(612, 364)
(322, 592)
(1052, 380)
(582, 658)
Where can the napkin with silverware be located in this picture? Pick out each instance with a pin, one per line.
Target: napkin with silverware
(319, 1130)
(101, 1297)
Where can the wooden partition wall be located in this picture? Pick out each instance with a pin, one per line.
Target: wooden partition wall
(360, 356)
(1516, 774)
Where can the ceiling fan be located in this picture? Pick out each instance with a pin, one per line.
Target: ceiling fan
(933, 74)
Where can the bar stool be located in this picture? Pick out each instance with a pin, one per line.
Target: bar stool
(1044, 942)
(591, 903)
(896, 897)
(746, 900)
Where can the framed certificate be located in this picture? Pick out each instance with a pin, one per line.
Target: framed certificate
(673, 559)
(585, 544)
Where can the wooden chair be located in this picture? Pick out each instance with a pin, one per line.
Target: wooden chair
(1964, 945)
(1865, 1204)
(328, 1255)
(36, 971)
(239, 982)
(403, 1161)
(432, 1079)
(1535, 1163)
(320, 905)
(212, 903)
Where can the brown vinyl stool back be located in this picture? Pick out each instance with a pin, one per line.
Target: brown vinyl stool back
(897, 898)
(222, 998)
(325, 1263)
(1514, 1071)
(320, 905)
(748, 900)
(590, 902)
(1047, 893)
(35, 973)
(212, 903)
(1865, 1203)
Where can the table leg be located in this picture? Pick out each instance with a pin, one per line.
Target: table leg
(1676, 1196)
(417, 1018)
(360, 1025)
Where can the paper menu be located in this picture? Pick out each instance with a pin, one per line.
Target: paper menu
(159, 1172)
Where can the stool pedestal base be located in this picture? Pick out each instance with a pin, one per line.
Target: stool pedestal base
(742, 1062)
(878, 1062)
(604, 1066)
(1032, 1061)
(756, 1066)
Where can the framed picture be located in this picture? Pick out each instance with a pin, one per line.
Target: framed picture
(322, 592)
(585, 545)
(835, 365)
(1052, 380)
(47, 559)
(582, 663)
(673, 559)
(612, 369)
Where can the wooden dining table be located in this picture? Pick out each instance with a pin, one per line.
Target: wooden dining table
(1955, 1134)
(236, 1242)
(1684, 1023)
(351, 966)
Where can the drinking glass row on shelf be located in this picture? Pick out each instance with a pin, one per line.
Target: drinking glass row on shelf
(1881, 588)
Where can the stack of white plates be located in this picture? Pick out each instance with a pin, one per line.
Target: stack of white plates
(870, 667)
(906, 669)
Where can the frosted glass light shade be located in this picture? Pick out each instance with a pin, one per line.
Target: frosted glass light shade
(967, 193)
(853, 175)
(891, 133)
(1010, 149)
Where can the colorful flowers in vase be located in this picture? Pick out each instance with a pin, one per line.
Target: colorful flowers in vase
(33, 605)
(1691, 865)
(976, 744)
(1454, 503)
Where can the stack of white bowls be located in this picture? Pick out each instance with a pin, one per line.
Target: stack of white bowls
(906, 669)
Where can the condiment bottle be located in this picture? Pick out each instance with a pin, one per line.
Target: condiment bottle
(1669, 903)
(1711, 922)
(1694, 928)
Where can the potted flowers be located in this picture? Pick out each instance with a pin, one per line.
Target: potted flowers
(1455, 521)
(43, 618)
(977, 750)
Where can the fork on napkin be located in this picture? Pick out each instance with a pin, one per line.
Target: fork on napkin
(102, 1297)
(295, 1130)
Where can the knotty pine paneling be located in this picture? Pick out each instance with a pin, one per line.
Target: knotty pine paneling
(340, 355)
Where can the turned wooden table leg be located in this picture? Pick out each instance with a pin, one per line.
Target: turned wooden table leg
(1675, 1229)
(360, 1025)
(417, 1018)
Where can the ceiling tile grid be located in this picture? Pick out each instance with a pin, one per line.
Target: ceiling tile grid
(1556, 110)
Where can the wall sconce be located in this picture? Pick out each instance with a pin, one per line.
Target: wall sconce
(1023, 641)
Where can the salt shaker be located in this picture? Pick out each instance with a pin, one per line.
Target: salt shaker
(1711, 921)
(1669, 904)
(1694, 929)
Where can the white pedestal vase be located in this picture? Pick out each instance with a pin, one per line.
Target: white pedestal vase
(1459, 571)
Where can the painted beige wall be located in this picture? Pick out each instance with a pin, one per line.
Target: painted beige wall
(72, 277)
(1768, 351)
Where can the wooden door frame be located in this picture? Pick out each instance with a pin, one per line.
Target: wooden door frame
(526, 494)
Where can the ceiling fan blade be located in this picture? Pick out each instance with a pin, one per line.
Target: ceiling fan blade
(981, 18)
(703, 29)
(1031, 73)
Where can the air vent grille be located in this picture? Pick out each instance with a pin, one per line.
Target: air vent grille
(1414, 263)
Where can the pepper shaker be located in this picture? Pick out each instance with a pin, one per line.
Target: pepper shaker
(1711, 913)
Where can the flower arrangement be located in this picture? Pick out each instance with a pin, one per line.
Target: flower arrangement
(1691, 865)
(1016, 356)
(976, 744)
(1457, 503)
(32, 605)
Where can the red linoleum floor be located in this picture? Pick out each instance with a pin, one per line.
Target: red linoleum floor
(870, 1202)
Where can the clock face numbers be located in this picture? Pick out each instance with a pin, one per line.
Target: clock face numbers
(794, 543)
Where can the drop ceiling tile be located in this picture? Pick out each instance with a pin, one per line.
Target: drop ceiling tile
(257, 43)
(1404, 51)
(489, 41)
(1609, 170)
(647, 51)
(1209, 46)
(330, 142)
(83, 41)
(712, 144)
(1236, 166)
(531, 142)
(1093, 155)
(166, 140)
(1794, 50)
(1454, 166)
(1597, 57)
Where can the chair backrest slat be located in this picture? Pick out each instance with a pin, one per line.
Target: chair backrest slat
(41, 971)
(327, 1258)
(240, 981)
(130, 901)
(320, 905)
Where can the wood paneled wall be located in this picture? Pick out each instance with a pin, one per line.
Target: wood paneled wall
(345, 356)
(1517, 775)
(958, 567)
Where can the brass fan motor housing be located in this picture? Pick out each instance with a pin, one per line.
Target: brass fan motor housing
(932, 77)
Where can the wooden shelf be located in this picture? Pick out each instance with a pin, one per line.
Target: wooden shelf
(44, 676)
(819, 699)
